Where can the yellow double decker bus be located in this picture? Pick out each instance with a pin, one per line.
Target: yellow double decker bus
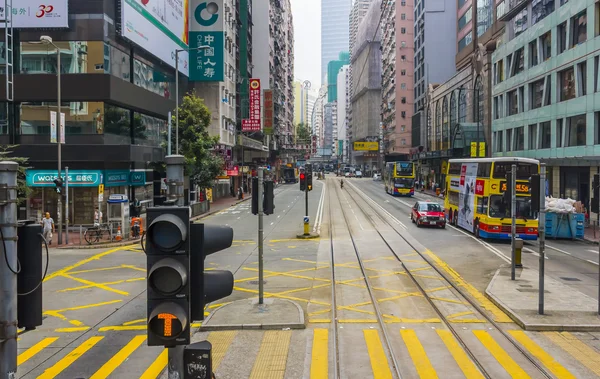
(399, 178)
(474, 197)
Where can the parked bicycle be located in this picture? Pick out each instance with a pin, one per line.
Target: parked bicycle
(97, 233)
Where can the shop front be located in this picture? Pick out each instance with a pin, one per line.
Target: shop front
(83, 192)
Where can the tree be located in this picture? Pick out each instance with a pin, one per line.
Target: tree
(302, 133)
(195, 144)
(22, 189)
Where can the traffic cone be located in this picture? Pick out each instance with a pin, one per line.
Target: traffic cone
(119, 237)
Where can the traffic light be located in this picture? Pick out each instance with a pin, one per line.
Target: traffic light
(58, 182)
(535, 191)
(168, 275)
(208, 286)
(302, 181)
(255, 195)
(268, 198)
(309, 181)
(596, 192)
(509, 190)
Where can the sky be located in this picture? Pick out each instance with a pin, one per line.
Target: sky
(307, 41)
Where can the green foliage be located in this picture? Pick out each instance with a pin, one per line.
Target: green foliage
(117, 122)
(302, 133)
(195, 144)
(6, 155)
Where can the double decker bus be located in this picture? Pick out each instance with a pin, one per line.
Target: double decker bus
(474, 197)
(399, 178)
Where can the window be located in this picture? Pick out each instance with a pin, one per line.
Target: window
(500, 71)
(402, 17)
(465, 41)
(546, 42)
(402, 58)
(403, 114)
(499, 142)
(520, 22)
(597, 20)
(485, 17)
(596, 67)
(521, 99)
(579, 29)
(576, 131)
(403, 44)
(533, 53)
(513, 105)
(403, 3)
(532, 137)
(519, 138)
(403, 86)
(541, 9)
(497, 107)
(402, 72)
(545, 135)
(559, 132)
(562, 37)
(465, 19)
(566, 81)
(462, 105)
(519, 62)
(581, 76)
(536, 94)
(597, 128)
(403, 30)
(403, 100)
(402, 128)
(508, 140)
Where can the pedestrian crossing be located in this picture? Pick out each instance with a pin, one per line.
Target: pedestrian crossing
(422, 353)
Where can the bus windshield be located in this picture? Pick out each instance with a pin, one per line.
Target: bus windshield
(403, 183)
(498, 209)
(404, 168)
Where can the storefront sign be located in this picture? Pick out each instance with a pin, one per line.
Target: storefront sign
(77, 178)
(116, 178)
(38, 14)
(234, 172)
(252, 124)
(366, 146)
(207, 31)
(268, 116)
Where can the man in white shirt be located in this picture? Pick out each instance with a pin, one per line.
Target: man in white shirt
(48, 228)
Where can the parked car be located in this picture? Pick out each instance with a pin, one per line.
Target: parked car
(428, 213)
(358, 174)
(376, 176)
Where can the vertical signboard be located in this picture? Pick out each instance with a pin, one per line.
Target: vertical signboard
(62, 128)
(466, 195)
(268, 109)
(53, 127)
(253, 123)
(207, 31)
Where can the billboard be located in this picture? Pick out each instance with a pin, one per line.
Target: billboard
(207, 30)
(268, 109)
(366, 146)
(159, 27)
(38, 14)
(253, 123)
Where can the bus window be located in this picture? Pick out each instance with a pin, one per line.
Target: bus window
(524, 170)
(403, 182)
(498, 209)
(454, 168)
(453, 198)
(482, 205)
(483, 170)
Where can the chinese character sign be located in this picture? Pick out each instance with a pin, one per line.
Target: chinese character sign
(253, 123)
(206, 31)
(268, 109)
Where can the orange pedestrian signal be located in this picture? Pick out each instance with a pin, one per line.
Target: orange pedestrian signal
(168, 324)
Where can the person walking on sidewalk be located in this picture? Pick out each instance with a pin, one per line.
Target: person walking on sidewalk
(48, 228)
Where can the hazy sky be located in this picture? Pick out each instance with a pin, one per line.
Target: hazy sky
(307, 41)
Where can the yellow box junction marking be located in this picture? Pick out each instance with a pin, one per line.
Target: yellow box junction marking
(220, 344)
(418, 355)
(96, 257)
(511, 367)
(72, 330)
(546, 359)
(58, 313)
(32, 351)
(319, 365)
(157, 367)
(94, 284)
(377, 355)
(61, 365)
(578, 349)
(272, 356)
(462, 359)
(119, 358)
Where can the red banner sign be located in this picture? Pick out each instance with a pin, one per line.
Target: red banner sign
(234, 172)
(253, 123)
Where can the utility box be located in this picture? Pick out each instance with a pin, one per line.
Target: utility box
(29, 279)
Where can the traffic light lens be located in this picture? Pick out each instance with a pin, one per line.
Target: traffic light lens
(166, 280)
(167, 232)
(167, 321)
(302, 176)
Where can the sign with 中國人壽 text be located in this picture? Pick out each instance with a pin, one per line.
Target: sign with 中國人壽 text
(252, 124)
(207, 41)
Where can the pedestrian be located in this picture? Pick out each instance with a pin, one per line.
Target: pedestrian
(48, 228)
(97, 217)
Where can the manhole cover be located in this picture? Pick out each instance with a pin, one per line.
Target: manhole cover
(255, 282)
(570, 279)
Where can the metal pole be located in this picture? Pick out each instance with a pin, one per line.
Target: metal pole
(169, 135)
(542, 234)
(176, 101)
(8, 272)
(260, 236)
(513, 229)
(306, 198)
(67, 203)
(59, 139)
(175, 366)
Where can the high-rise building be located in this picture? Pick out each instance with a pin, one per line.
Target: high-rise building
(304, 101)
(339, 136)
(334, 31)
(333, 67)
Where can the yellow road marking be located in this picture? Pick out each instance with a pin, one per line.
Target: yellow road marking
(395, 320)
(96, 270)
(76, 322)
(72, 330)
(316, 313)
(295, 240)
(132, 267)
(122, 328)
(138, 321)
(220, 343)
(481, 299)
(157, 367)
(454, 301)
(319, 320)
(94, 284)
(546, 359)
(96, 257)
(32, 351)
(578, 349)
(119, 358)
(272, 356)
(84, 306)
(462, 359)
(357, 321)
(299, 260)
(378, 357)
(466, 313)
(319, 365)
(468, 321)
(61, 365)
(439, 289)
(420, 268)
(417, 354)
(511, 367)
(269, 294)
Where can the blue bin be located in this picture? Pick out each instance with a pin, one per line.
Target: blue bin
(565, 225)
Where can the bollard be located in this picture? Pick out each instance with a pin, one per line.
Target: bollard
(518, 250)
(306, 226)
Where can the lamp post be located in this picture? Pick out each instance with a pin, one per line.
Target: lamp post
(46, 40)
(177, 51)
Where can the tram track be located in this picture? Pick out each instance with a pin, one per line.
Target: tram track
(362, 203)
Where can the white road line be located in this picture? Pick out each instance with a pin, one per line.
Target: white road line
(594, 251)
(367, 197)
(592, 262)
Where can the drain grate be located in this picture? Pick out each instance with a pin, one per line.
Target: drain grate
(536, 290)
(255, 282)
(570, 279)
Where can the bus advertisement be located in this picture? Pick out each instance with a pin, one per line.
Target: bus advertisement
(399, 178)
(474, 198)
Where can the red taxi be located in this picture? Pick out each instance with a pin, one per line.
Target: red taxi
(428, 213)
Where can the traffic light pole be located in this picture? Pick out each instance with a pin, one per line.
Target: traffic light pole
(513, 228)
(260, 236)
(542, 236)
(8, 270)
(67, 204)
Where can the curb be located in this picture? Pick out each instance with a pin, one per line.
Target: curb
(535, 327)
(210, 213)
(97, 246)
(307, 237)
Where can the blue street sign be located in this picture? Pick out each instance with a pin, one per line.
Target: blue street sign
(306, 219)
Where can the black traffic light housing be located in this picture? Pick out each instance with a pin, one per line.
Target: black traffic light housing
(507, 197)
(596, 192)
(302, 181)
(58, 182)
(269, 197)
(208, 286)
(168, 276)
(254, 196)
(535, 191)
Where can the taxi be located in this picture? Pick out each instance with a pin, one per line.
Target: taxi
(426, 213)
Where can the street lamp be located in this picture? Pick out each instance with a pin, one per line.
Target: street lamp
(46, 40)
(177, 51)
